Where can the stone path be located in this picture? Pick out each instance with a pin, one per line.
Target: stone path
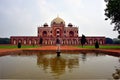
(4, 51)
(55, 48)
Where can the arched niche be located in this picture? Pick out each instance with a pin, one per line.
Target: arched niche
(71, 34)
(44, 33)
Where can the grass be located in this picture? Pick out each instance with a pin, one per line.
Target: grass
(15, 46)
(102, 47)
(86, 46)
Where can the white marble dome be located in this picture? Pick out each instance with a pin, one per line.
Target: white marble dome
(58, 20)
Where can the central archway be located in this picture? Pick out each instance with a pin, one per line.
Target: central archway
(58, 32)
(71, 34)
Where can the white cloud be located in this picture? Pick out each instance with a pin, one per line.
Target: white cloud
(73, 3)
(46, 10)
(22, 17)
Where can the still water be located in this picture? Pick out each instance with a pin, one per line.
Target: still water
(46, 65)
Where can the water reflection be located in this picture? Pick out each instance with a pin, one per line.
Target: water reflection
(75, 63)
(83, 56)
(50, 62)
(57, 65)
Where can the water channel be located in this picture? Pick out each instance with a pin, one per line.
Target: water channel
(47, 65)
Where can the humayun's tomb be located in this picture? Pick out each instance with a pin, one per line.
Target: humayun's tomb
(67, 35)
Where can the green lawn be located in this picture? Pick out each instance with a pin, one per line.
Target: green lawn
(102, 47)
(15, 46)
(86, 46)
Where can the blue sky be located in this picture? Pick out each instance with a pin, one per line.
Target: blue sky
(22, 17)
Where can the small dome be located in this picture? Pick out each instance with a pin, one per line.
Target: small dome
(70, 25)
(58, 21)
(45, 25)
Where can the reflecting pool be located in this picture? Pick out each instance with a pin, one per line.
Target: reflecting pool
(69, 65)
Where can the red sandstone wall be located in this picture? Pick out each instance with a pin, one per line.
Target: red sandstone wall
(25, 40)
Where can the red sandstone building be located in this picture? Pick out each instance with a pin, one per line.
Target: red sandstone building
(68, 35)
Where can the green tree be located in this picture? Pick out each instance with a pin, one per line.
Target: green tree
(112, 12)
(96, 44)
(119, 37)
(41, 41)
(108, 41)
(19, 45)
(116, 41)
(83, 40)
(4, 41)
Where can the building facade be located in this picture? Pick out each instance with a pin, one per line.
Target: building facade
(57, 30)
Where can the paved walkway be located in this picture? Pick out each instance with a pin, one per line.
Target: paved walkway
(5, 51)
(74, 48)
(55, 48)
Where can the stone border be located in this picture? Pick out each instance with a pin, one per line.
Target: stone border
(108, 51)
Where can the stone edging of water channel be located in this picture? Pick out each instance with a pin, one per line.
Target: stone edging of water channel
(108, 51)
